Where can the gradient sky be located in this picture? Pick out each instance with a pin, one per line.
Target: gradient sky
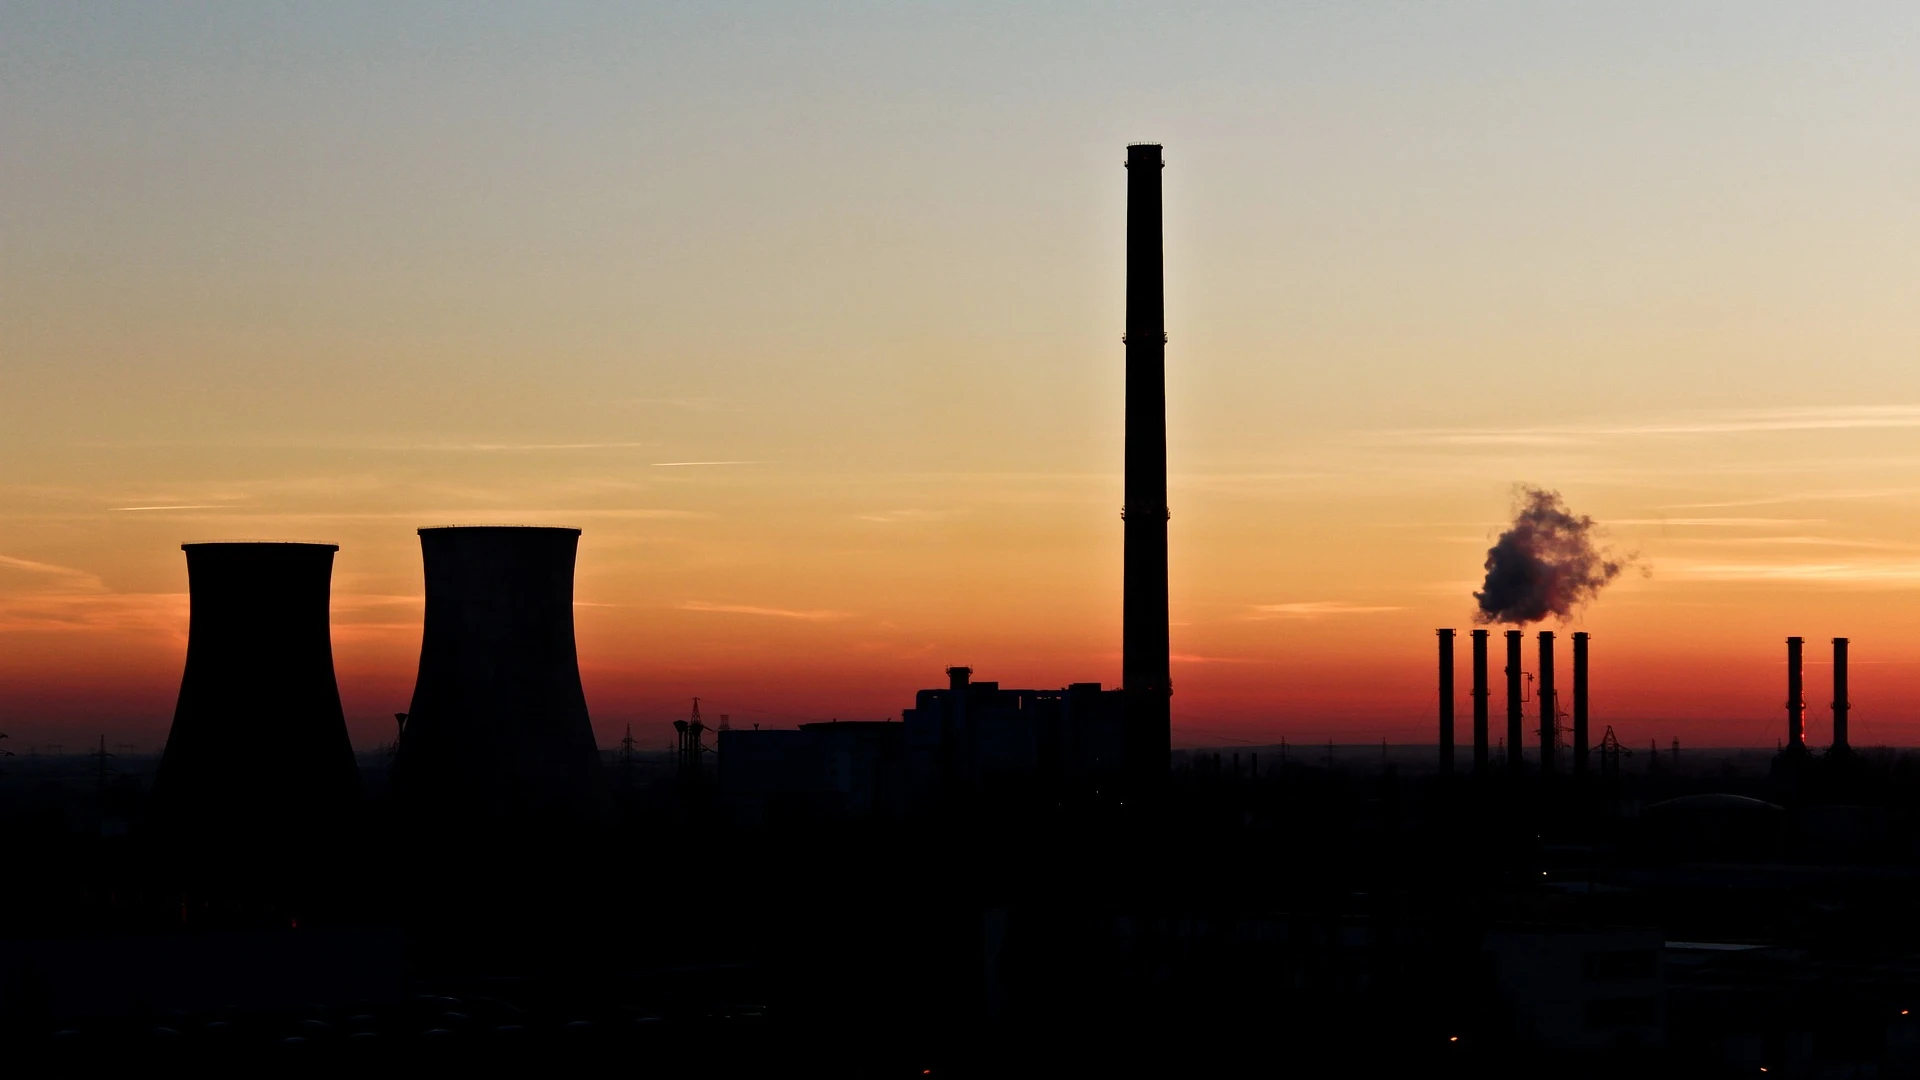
(334, 271)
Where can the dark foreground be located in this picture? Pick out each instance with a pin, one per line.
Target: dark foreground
(1313, 921)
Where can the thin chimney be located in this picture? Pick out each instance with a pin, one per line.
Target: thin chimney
(1549, 718)
(1796, 700)
(1479, 702)
(1516, 722)
(1145, 655)
(1841, 705)
(1580, 703)
(1446, 701)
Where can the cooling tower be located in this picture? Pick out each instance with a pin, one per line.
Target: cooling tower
(498, 730)
(258, 745)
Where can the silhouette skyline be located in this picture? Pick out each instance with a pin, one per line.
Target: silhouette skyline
(754, 368)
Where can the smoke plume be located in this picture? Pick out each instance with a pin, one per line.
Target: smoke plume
(1545, 564)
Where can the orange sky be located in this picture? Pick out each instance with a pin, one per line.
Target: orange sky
(335, 274)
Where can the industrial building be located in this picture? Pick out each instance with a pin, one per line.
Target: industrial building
(959, 743)
(851, 768)
(973, 737)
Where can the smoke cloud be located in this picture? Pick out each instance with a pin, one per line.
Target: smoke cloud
(1545, 564)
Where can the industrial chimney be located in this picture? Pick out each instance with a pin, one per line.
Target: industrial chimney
(1796, 701)
(1515, 720)
(1146, 672)
(259, 746)
(1479, 702)
(1446, 702)
(498, 730)
(1841, 706)
(1580, 703)
(1549, 710)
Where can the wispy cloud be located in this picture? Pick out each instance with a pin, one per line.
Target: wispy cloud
(682, 464)
(1833, 495)
(1316, 609)
(748, 609)
(889, 517)
(1192, 658)
(1719, 522)
(64, 574)
(184, 506)
(512, 447)
(1722, 422)
(1799, 541)
(691, 404)
(1882, 574)
(94, 612)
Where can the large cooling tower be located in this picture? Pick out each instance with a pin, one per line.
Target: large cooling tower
(258, 745)
(498, 730)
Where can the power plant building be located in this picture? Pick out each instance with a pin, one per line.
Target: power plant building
(972, 736)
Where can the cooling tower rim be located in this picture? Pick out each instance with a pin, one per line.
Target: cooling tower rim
(258, 544)
(424, 530)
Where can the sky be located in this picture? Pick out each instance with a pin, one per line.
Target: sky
(809, 317)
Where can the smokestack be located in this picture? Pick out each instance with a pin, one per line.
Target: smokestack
(1479, 702)
(1796, 701)
(498, 731)
(1446, 702)
(1841, 705)
(1580, 703)
(1549, 712)
(1515, 721)
(1146, 672)
(259, 745)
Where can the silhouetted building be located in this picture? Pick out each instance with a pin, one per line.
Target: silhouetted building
(1580, 988)
(258, 744)
(840, 768)
(1146, 671)
(498, 729)
(972, 736)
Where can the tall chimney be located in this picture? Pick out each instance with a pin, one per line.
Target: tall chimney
(498, 732)
(1479, 702)
(1146, 672)
(1515, 721)
(1840, 703)
(258, 749)
(1446, 702)
(1580, 703)
(1796, 701)
(1549, 712)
